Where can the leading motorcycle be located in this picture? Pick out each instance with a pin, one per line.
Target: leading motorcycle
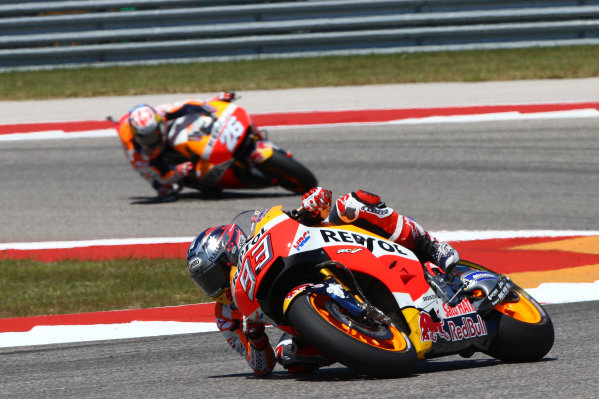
(371, 305)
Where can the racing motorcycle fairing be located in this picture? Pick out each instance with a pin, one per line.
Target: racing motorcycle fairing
(366, 275)
(229, 152)
(213, 137)
(298, 248)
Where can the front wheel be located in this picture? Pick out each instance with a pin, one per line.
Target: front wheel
(290, 174)
(524, 330)
(377, 349)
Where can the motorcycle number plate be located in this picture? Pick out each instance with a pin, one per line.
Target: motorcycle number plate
(231, 133)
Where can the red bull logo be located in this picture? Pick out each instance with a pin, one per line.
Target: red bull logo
(431, 330)
(469, 328)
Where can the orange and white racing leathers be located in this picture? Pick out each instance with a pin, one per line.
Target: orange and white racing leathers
(149, 162)
(260, 356)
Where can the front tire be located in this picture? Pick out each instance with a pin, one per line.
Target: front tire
(290, 174)
(380, 350)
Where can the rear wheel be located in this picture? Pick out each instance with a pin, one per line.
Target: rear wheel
(525, 331)
(290, 174)
(377, 349)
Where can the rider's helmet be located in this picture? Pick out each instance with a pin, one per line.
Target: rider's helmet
(210, 257)
(147, 127)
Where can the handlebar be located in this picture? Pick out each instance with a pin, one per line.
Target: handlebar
(111, 119)
(298, 213)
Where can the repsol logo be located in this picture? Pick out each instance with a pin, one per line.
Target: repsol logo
(353, 238)
(218, 125)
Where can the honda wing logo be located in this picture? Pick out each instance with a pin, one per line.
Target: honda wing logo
(301, 241)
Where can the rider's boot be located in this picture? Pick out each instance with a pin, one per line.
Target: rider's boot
(298, 357)
(441, 258)
(440, 253)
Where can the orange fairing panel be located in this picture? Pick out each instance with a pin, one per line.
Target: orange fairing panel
(193, 147)
(523, 310)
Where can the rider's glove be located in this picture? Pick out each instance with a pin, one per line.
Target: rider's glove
(184, 169)
(227, 96)
(317, 201)
(254, 331)
(440, 253)
(166, 190)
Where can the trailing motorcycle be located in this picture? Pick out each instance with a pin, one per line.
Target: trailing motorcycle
(371, 305)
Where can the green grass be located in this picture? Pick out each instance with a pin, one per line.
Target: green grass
(34, 288)
(467, 66)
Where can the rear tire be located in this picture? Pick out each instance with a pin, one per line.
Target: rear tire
(290, 174)
(380, 351)
(525, 331)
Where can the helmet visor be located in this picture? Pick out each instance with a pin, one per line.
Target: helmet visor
(150, 139)
(212, 277)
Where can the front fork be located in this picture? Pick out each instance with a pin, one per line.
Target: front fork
(354, 304)
(263, 151)
(260, 149)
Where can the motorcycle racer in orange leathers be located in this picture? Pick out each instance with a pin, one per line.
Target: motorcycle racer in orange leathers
(143, 134)
(214, 251)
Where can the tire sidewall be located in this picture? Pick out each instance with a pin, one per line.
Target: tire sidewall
(286, 169)
(352, 353)
(518, 341)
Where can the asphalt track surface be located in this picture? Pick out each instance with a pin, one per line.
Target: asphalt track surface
(203, 366)
(509, 175)
(495, 175)
(536, 174)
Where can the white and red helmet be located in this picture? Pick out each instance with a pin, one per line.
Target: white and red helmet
(147, 126)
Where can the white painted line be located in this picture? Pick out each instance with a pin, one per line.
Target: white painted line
(565, 292)
(58, 135)
(458, 235)
(493, 117)
(43, 335)
(468, 235)
(501, 116)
